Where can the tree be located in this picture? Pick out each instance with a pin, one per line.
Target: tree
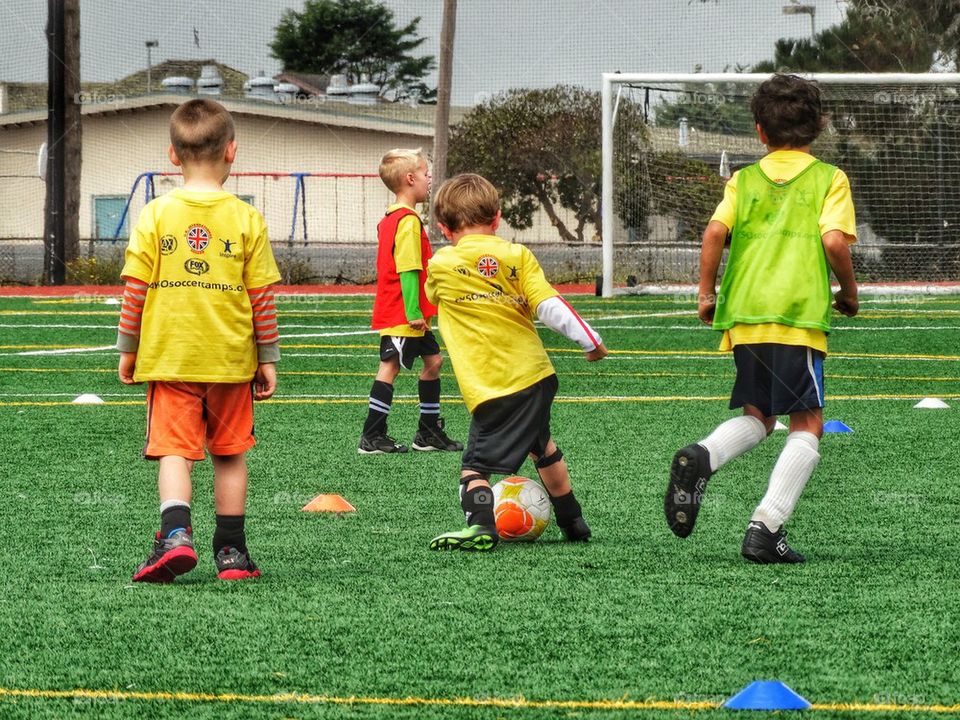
(708, 107)
(892, 141)
(541, 148)
(877, 36)
(357, 38)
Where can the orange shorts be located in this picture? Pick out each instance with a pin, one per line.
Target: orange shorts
(183, 418)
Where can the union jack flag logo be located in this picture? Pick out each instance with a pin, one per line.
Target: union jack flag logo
(198, 237)
(488, 266)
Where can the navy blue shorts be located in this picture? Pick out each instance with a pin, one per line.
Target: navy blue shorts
(408, 349)
(505, 430)
(778, 379)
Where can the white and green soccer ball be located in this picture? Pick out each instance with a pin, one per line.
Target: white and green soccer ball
(522, 509)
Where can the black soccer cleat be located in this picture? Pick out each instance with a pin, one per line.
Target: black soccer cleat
(576, 531)
(170, 557)
(764, 547)
(232, 564)
(379, 444)
(689, 473)
(434, 438)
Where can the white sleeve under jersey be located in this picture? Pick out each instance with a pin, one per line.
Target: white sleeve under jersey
(556, 314)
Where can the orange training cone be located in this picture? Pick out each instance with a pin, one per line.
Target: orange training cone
(328, 503)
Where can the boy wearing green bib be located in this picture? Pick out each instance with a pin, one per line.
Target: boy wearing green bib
(790, 220)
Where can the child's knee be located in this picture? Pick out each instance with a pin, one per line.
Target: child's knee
(432, 365)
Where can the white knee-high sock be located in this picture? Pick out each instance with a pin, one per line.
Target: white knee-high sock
(733, 438)
(794, 467)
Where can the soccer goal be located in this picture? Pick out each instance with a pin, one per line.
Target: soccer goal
(670, 141)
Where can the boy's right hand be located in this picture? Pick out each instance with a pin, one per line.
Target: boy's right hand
(706, 306)
(598, 353)
(846, 303)
(419, 324)
(128, 363)
(265, 381)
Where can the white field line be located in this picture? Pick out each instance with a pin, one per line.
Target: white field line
(63, 351)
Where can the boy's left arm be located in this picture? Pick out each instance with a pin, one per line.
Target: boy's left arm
(557, 314)
(409, 263)
(267, 336)
(836, 245)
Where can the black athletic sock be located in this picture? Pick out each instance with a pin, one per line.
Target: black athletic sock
(566, 508)
(381, 397)
(477, 506)
(174, 518)
(229, 533)
(429, 391)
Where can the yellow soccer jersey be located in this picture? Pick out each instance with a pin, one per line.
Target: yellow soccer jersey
(487, 291)
(199, 253)
(838, 214)
(406, 254)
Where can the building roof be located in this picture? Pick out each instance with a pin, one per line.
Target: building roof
(33, 96)
(393, 117)
(309, 83)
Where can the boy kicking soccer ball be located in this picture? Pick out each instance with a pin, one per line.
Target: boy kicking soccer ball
(488, 291)
(790, 218)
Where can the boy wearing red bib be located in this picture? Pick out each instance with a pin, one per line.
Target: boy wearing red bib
(790, 219)
(401, 311)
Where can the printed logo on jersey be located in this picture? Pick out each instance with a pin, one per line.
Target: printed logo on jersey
(195, 266)
(168, 244)
(198, 237)
(228, 249)
(488, 266)
(462, 269)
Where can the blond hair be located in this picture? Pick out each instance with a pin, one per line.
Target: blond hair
(467, 200)
(200, 130)
(398, 162)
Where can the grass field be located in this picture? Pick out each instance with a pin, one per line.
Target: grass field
(355, 617)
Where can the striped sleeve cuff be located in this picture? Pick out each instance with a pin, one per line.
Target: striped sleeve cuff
(264, 316)
(268, 353)
(131, 315)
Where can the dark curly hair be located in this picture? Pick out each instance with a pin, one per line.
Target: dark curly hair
(788, 110)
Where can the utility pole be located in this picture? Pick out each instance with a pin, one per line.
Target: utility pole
(441, 129)
(61, 231)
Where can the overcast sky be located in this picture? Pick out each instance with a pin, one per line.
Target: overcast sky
(499, 43)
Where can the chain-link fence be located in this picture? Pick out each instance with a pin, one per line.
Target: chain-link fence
(317, 99)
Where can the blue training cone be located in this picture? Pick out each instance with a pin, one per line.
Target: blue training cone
(766, 695)
(835, 426)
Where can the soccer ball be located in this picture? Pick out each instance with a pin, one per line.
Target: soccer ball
(521, 507)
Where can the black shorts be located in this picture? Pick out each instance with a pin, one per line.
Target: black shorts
(408, 349)
(778, 379)
(505, 430)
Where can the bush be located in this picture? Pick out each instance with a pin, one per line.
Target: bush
(95, 271)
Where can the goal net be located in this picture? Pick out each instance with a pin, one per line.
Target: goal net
(897, 137)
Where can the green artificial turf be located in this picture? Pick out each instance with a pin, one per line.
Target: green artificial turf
(357, 606)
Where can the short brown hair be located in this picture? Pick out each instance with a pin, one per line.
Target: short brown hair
(200, 130)
(788, 110)
(398, 162)
(465, 201)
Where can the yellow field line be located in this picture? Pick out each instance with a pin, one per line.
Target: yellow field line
(566, 400)
(61, 313)
(334, 373)
(515, 703)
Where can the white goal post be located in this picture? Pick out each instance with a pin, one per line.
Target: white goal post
(662, 169)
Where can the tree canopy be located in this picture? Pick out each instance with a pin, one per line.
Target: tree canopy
(541, 148)
(357, 38)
